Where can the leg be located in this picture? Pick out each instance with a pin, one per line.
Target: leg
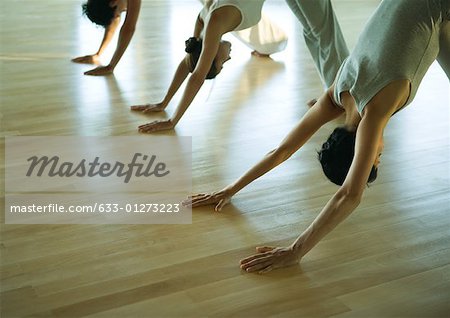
(322, 34)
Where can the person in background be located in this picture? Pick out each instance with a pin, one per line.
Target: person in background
(264, 39)
(107, 14)
(206, 54)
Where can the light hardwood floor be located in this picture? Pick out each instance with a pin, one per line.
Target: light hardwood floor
(390, 258)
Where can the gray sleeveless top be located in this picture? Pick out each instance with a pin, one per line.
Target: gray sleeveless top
(400, 41)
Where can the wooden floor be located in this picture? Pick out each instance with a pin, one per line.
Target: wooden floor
(390, 258)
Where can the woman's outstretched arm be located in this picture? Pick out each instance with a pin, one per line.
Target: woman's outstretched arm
(180, 76)
(323, 112)
(125, 35)
(222, 21)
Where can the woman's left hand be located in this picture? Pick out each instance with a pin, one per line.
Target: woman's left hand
(269, 258)
(156, 126)
(100, 71)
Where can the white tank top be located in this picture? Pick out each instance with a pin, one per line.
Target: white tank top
(250, 11)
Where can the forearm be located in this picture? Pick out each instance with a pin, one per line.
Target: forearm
(270, 161)
(193, 86)
(337, 210)
(124, 39)
(180, 75)
(108, 35)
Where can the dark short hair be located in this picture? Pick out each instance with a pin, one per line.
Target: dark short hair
(194, 48)
(99, 12)
(337, 154)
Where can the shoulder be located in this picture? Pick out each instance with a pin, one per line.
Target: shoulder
(228, 15)
(388, 100)
(225, 19)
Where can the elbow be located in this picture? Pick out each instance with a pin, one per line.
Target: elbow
(128, 30)
(197, 78)
(284, 152)
(350, 196)
(280, 154)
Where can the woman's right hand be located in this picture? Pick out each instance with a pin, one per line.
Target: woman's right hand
(148, 108)
(87, 59)
(219, 199)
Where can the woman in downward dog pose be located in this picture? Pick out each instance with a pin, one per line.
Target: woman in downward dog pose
(206, 54)
(264, 38)
(380, 77)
